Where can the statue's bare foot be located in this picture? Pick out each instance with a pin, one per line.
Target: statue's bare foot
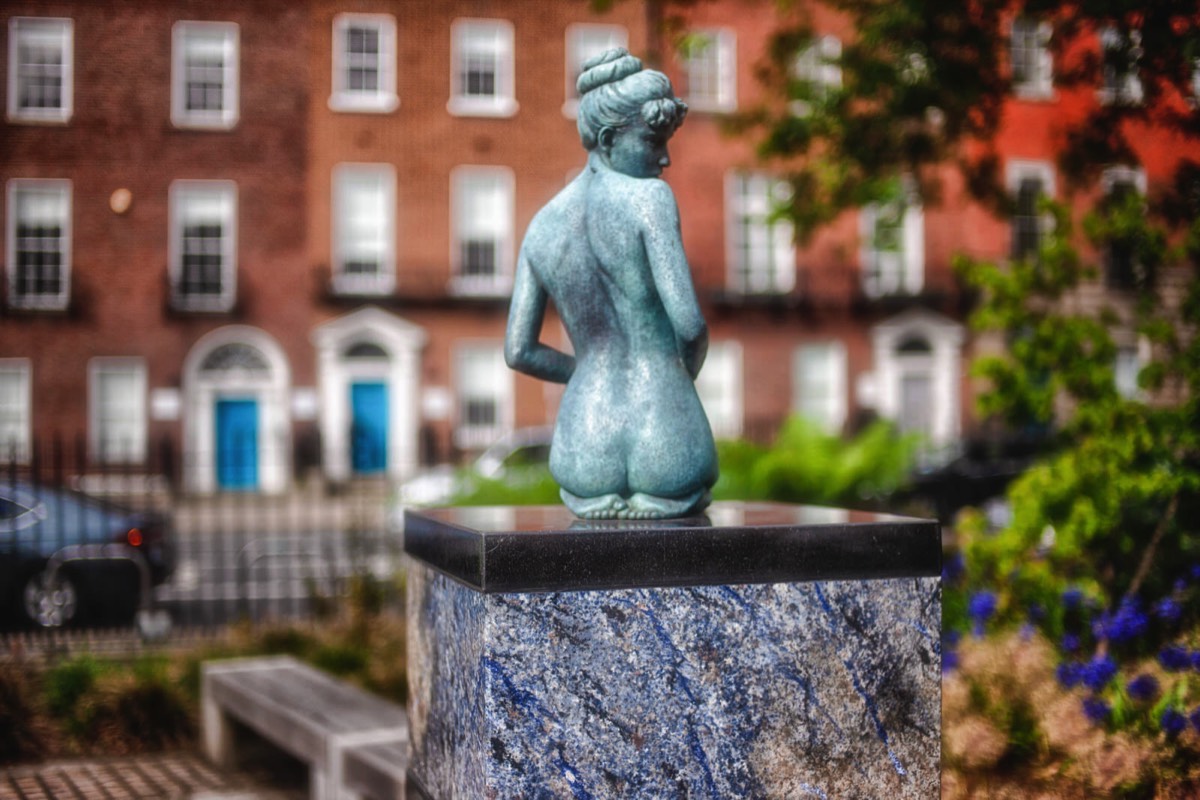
(648, 506)
(606, 506)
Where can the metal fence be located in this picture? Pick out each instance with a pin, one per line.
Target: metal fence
(233, 555)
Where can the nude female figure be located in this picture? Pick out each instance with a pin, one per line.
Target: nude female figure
(631, 440)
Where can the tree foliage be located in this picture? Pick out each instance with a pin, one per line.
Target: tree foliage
(924, 84)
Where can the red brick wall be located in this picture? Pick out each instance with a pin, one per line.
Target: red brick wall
(121, 136)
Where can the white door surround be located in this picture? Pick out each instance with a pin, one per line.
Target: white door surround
(369, 344)
(914, 347)
(236, 362)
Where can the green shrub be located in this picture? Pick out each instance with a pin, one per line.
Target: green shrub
(66, 683)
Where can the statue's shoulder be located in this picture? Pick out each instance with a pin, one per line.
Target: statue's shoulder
(650, 197)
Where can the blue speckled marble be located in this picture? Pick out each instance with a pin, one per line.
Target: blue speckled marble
(824, 690)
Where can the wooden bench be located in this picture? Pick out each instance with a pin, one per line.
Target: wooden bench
(339, 730)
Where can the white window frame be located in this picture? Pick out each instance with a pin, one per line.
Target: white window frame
(1109, 179)
(378, 101)
(502, 102)
(886, 273)
(501, 281)
(818, 63)
(27, 26)
(1125, 87)
(472, 437)
(384, 281)
(586, 40)
(719, 386)
(227, 116)
(136, 452)
(1040, 86)
(724, 64)
(1131, 357)
(834, 398)
(178, 195)
(779, 276)
(20, 446)
(1015, 172)
(49, 302)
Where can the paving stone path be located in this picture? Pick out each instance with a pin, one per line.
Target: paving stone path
(176, 776)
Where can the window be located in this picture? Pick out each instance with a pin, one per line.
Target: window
(1029, 182)
(204, 74)
(711, 66)
(893, 252)
(1032, 63)
(117, 410)
(586, 41)
(14, 410)
(364, 237)
(1128, 366)
(819, 384)
(41, 53)
(483, 229)
(720, 388)
(364, 63)
(762, 258)
(1120, 56)
(481, 82)
(817, 71)
(203, 245)
(39, 243)
(1120, 184)
(484, 386)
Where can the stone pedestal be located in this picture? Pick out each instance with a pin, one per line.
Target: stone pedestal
(762, 651)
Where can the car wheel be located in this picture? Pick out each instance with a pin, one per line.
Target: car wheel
(49, 602)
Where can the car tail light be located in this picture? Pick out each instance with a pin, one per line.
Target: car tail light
(134, 537)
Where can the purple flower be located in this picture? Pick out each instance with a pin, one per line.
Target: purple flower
(1194, 717)
(1174, 658)
(949, 660)
(1096, 709)
(1143, 687)
(1194, 572)
(1069, 673)
(1196, 660)
(1128, 623)
(953, 568)
(1168, 610)
(1071, 598)
(1069, 643)
(1098, 672)
(980, 609)
(1173, 722)
(951, 637)
(1036, 612)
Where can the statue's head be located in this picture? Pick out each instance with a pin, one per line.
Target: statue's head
(627, 113)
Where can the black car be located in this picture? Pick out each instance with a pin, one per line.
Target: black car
(69, 558)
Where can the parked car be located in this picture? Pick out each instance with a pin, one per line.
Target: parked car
(69, 558)
(508, 457)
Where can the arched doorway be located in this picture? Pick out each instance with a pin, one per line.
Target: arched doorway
(918, 357)
(236, 425)
(368, 371)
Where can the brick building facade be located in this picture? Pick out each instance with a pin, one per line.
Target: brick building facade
(246, 227)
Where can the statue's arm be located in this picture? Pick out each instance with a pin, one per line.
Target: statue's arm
(522, 350)
(664, 248)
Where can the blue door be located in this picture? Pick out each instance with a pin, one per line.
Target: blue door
(368, 427)
(237, 444)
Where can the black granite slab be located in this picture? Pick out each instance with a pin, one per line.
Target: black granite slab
(547, 549)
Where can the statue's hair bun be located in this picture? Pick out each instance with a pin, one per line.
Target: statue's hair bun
(608, 67)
